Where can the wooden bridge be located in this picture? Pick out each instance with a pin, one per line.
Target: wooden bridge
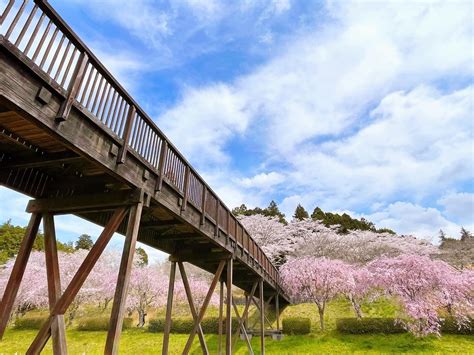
(74, 140)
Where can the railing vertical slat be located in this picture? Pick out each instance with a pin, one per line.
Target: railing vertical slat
(15, 20)
(33, 35)
(41, 42)
(48, 48)
(26, 25)
(6, 11)
(51, 65)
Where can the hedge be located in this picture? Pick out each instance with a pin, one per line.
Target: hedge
(181, 325)
(369, 325)
(296, 326)
(390, 326)
(450, 326)
(30, 321)
(99, 323)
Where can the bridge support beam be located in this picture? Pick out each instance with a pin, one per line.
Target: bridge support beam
(262, 319)
(19, 267)
(120, 298)
(221, 316)
(58, 328)
(228, 319)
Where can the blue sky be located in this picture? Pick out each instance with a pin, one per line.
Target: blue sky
(365, 107)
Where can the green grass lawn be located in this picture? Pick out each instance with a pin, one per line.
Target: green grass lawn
(138, 341)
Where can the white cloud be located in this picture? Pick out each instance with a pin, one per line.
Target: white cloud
(408, 218)
(458, 206)
(204, 120)
(417, 143)
(262, 180)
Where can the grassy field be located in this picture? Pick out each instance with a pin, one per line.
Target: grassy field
(138, 341)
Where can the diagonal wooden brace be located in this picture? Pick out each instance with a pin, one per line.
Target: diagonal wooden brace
(242, 326)
(189, 296)
(203, 309)
(78, 280)
(245, 314)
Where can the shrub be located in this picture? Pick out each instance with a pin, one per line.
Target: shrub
(390, 326)
(450, 326)
(156, 325)
(369, 325)
(30, 321)
(182, 325)
(209, 325)
(296, 326)
(99, 323)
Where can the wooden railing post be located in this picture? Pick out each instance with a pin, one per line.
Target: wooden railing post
(218, 205)
(186, 188)
(161, 167)
(203, 204)
(126, 135)
(73, 89)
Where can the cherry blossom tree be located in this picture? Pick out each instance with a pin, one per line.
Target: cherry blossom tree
(359, 284)
(270, 234)
(316, 280)
(148, 288)
(312, 238)
(423, 287)
(33, 291)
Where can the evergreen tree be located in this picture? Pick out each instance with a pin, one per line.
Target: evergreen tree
(300, 213)
(11, 237)
(143, 256)
(84, 242)
(318, 214)
(442, 235)
(465, 234)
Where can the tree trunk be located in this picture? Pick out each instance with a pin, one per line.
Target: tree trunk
(321, 317)
(141, 318)
(356, 307)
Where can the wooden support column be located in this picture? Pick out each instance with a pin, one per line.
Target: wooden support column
(203, 309)
(18, 270)
(189, 296)
(169, 307)
(277, 310)
(262, 320)
(78, 280)
(221, 316)
(73, 89)
(120, 298)
(228, 320)
(58, 328)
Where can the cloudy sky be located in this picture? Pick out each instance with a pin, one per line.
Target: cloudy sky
(365, 107)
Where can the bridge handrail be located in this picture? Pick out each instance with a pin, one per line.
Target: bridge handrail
(85, 81)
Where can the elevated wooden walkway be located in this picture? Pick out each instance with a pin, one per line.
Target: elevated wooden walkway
(73, 139)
